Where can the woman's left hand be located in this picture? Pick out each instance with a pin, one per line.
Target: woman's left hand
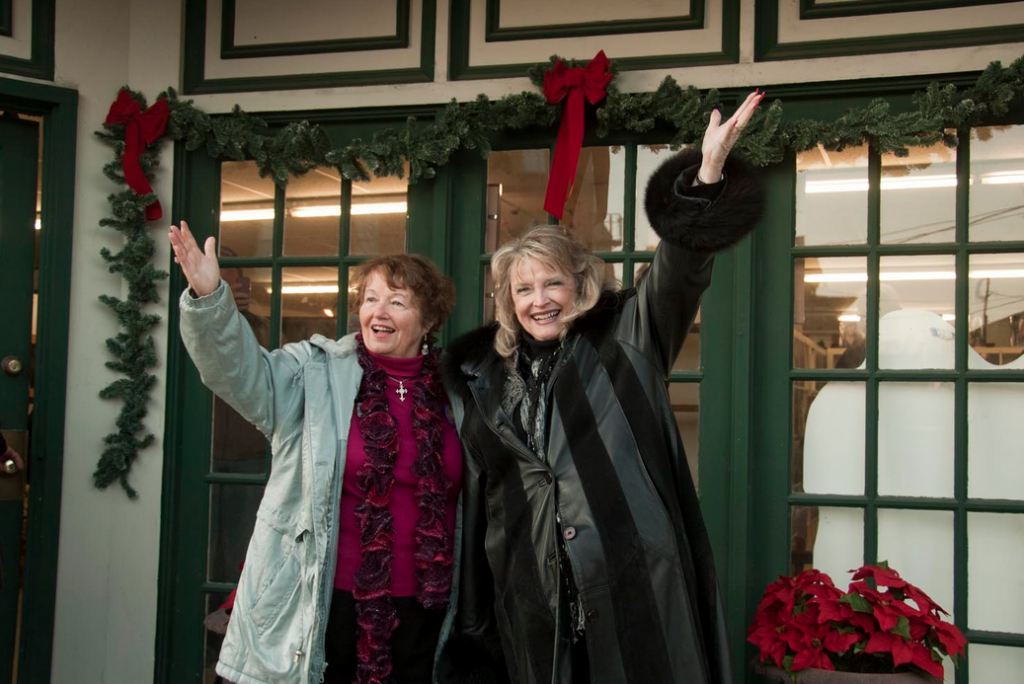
(720, 137)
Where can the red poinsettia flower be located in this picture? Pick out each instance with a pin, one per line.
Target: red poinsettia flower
(923, 657)
(951, 638)
(887, 608)
(881, 574)
(893, 644)
(834, 610)
(839, 642)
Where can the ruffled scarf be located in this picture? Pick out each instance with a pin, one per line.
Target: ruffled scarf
(375, 610)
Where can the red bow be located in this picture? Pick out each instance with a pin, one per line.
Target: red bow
(589, 81)
(142, 130)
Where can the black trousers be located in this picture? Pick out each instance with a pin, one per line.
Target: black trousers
(412, 644)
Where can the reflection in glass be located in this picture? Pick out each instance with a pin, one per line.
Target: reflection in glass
(309, 303)
(829, 312)
(352, 324)
(517, 181)
(214, 624)
(312, 213)
(246, 211)
(232, 519)
(685, 398)
(828, 437)
(832, 196)
(830, 539)
(915, 439)
(997, 183)
(594, 208)
(995, 559)
(919, 544)
(648, 159)
(689, 355)
(995, 663)
(380, 215)
(919, 196)
(917, 307)
(996, 318)
(995, 431)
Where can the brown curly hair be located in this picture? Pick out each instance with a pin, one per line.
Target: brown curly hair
(433, 291)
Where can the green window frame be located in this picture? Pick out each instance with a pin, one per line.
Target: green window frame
(775, 377)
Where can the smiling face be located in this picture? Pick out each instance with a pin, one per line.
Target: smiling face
(390, 319)
(543, 297)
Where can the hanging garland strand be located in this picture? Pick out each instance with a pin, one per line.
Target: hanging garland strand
(300, 147)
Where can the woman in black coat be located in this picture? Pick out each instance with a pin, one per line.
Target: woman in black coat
(585, 555)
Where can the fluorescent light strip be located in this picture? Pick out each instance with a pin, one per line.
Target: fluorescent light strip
(849, 318)
(908, 275)
(316, 211)
(1003, 178)
(861, 184)
(307, 289)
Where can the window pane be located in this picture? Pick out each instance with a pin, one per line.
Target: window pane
(309, 303)
(830, 539)
(685, 398)
(829, 312)
(997, 310)
(919, 196)
(916, 305)
(648, 159)
(516, 183)
(915, 439)
(488, 313)
(919, 545)
(312, 216)
(215, 623)
(995, 559)
(246, 211)
(237, 446)
(232, 519)
(352, 325)
(832, 196)
(828, 437)
(380, 215)
(689, 355)
(995, 468)
(997, 175)
(594, 207)
(995, 663)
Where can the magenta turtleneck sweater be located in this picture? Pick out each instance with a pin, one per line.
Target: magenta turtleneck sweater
(403, 492)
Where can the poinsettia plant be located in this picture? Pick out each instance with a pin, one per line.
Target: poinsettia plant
(882, 623)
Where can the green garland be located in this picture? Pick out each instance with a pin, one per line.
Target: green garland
(300, 147)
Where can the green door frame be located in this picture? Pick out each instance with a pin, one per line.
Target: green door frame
(59, 109)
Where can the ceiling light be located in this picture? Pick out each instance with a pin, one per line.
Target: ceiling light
(307, 289)
(247, 215)
(39, 224)
(380, 208)
(316, 211)
(1003, 178)
(909, 275)
(329, 313)
(849, 318)
(888, 183)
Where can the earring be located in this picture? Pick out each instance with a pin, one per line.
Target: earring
(425, 349)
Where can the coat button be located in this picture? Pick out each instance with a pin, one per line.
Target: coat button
(592, 615)
(569, 533)
(547, 479)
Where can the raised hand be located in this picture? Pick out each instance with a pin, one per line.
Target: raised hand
(200, 267)
(720, 137)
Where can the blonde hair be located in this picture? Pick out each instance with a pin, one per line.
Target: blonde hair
(559, 250)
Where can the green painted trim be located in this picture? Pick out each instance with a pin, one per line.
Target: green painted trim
(685, 22)
(40, 64)
(459, 68)
(994, 638)
(59, 109)
(961, 579)
(811, 9)
(768, 48)
(194, 81)
(6, 17)
(228, 49)
(180, 609)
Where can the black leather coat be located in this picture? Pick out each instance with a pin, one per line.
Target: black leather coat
(615, 473)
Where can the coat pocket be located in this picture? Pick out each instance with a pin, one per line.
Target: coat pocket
(275, 556)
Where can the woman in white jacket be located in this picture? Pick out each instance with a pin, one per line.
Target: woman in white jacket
(349, 569)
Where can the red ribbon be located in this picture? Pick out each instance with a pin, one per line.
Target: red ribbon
(561, 82)
(142, 130)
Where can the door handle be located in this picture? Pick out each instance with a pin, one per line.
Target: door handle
(12, 365)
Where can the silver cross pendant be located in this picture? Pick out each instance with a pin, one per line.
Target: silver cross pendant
(401, 391)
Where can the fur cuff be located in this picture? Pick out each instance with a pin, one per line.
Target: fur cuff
(469, 659)
(687, 222)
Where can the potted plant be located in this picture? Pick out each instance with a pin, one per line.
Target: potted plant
(882, 629)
